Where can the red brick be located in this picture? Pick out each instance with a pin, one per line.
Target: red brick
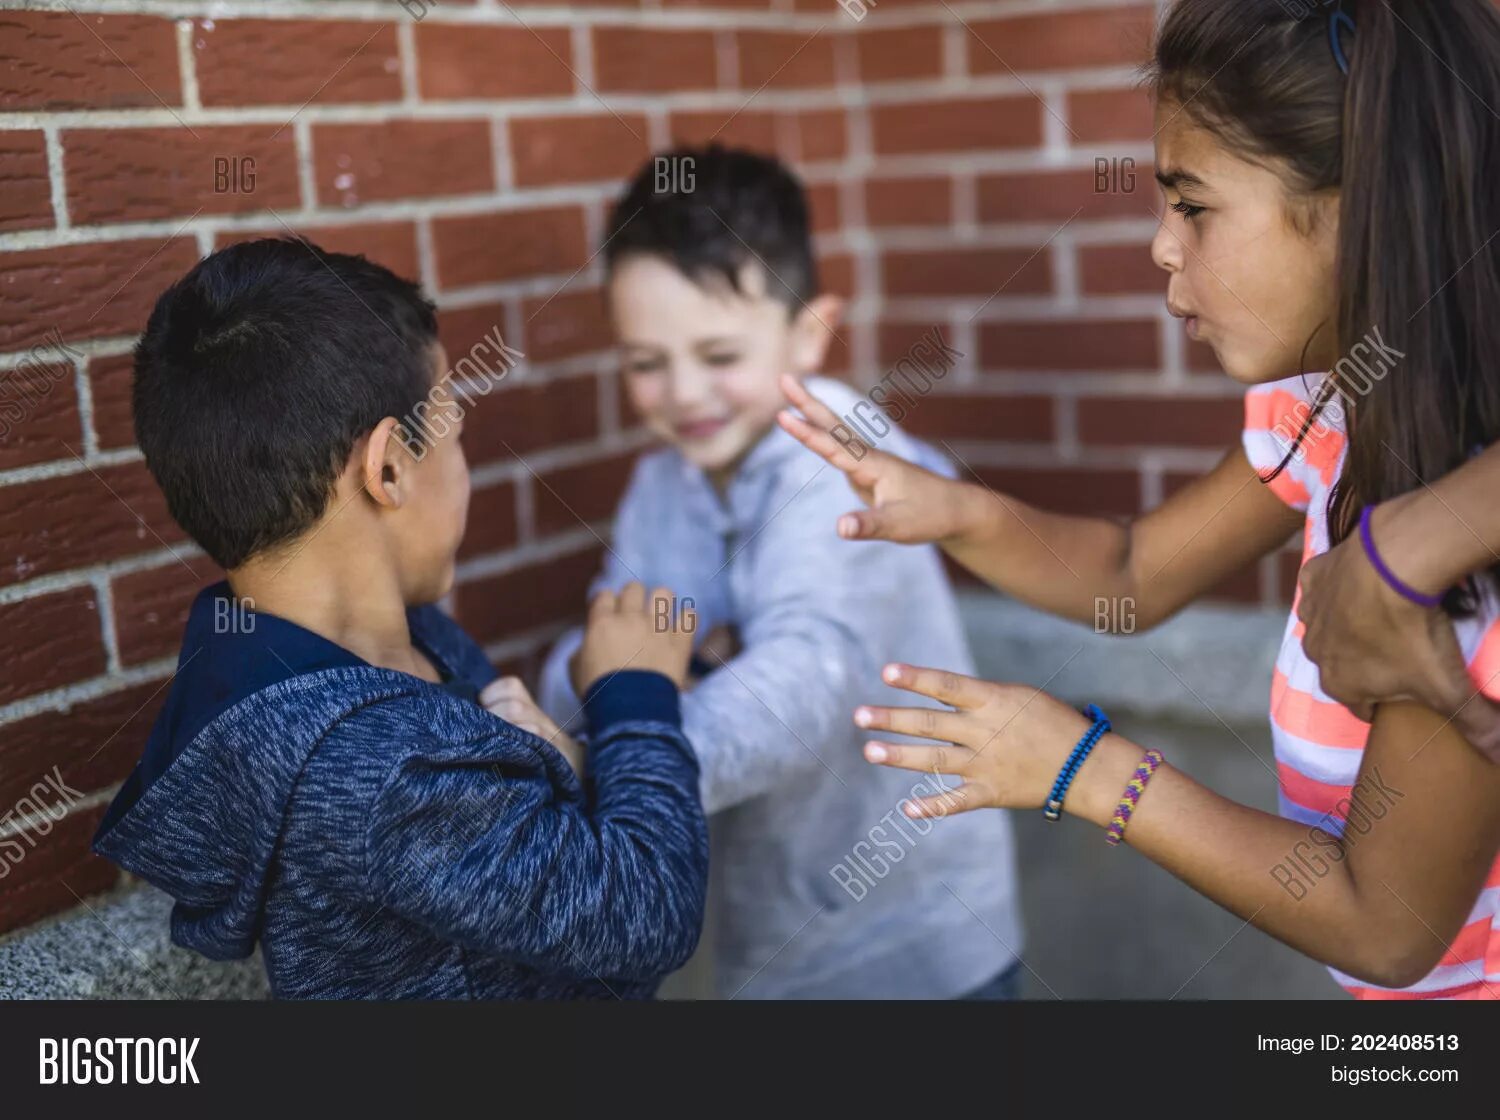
(57, 873)
(823, 202)
(900, 53)
(653, 60)
(54, 524)
(837, 362)
(109, 384)
(294, 62)
(527, 417)
(1076, 490)
(1118, 36)
(823, 133)
(47, 402)
(129, 61)
(25, 183)
(897, 339)
(1099, 115)
(151, 607)
(137, 174)
(86, 291)
(1159, 421)
(835, 8)
(580, 495)
(981, 272)
(956, 126)
(462, 328)
(941, 415)
(1119, 269)
(1056, 196)
(549, 591)
(466, 61)
(785, 59)
(569, 323)
(357, 163)
(492, 520)
(744, 129)
(923, 201)
(573, 149)
(93, 744)
(48, 641)
(1103, 345)
(836, 275)
(392, 244)
(484, 248)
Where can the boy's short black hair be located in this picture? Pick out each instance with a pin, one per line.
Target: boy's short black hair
(710, 210)
(257, 372)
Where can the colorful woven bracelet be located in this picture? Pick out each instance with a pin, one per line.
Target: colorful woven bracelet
(1367, 538)
(1132, 794)
(1053, 809)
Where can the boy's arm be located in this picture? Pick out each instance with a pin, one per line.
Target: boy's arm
(504, 859)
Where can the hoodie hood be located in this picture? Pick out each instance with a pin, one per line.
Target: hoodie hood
(201, 815)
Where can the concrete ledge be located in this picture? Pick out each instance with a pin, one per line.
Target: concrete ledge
(117, 947)
(1210, 664)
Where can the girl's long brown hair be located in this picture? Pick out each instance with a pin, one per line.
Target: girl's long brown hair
(1410, 137)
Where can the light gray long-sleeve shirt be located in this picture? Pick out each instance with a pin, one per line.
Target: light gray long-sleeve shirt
(822, 887)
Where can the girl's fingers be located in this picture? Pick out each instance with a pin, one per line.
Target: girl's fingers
(953, 689)
(962, 799)
(814, 409)
(818, 441)
(929, 760)
(920, 723)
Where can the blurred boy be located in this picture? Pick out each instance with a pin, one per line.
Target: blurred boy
(321, 778)
(823, 889)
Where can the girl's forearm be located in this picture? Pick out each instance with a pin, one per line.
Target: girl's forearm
(1257, 866)
(1059, 563)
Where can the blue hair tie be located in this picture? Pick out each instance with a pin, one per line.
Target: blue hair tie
(1340, 20)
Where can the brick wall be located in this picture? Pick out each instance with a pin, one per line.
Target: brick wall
(951, 149)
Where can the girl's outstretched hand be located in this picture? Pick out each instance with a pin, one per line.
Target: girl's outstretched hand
(1006, 741)
(907, 503)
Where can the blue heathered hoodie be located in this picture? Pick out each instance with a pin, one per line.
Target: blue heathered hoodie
(385, 837)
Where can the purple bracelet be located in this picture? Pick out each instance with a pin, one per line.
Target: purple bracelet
(1411, 594)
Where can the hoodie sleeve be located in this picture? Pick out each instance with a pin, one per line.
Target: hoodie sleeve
(506, 858)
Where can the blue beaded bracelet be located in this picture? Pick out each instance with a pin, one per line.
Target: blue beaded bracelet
(1100, 726)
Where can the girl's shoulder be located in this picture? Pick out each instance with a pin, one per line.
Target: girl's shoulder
(1293, 438)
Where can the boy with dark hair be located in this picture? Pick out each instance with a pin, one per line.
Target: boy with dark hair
(824, 889)
(321, 778)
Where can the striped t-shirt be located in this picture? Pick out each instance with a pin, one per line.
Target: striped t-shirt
(1319, 742)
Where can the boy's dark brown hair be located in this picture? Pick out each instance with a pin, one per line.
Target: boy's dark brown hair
(712, 210)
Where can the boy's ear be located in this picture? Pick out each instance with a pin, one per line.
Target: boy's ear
(813, 329)
(384, 463)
